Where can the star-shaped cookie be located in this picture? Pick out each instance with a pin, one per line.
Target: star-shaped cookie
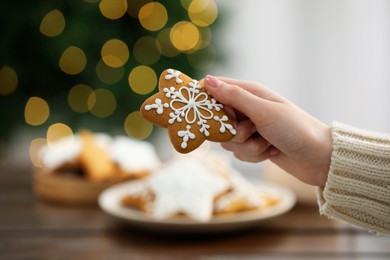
(186, 186)
(189, 113)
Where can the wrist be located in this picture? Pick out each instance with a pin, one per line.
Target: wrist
(325, 156)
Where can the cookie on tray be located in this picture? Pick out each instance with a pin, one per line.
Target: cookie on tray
(100, 157)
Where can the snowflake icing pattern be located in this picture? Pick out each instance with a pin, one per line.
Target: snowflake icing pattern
(190, 104)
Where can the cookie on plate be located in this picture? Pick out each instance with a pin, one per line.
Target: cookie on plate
(186, 109)
(194, 188)
(183, 186)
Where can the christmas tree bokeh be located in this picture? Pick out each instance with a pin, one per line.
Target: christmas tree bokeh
(89, 64)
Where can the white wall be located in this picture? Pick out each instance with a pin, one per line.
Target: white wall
(330, 57)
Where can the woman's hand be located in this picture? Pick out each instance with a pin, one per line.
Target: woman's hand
(270, 127)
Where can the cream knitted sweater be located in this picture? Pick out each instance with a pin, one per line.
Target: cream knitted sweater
(358, 186)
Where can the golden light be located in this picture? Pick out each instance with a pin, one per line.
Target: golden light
(35, 146)
(153, 16)
(164, 44)
(52, 24)
(185, 3)
(203, 12)
(135, 6)
(108, 74)
(203, 59)
(36, 111)
(113, 9)
(142, 80)
(136, 126)
(78, 98)
(56, 132)
(73, 60)
(115, 53)
(145, 51)
(102, 103)
(8, 80)
(205, 37)
(184, 36)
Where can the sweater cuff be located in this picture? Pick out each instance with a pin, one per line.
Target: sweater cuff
(358, 186)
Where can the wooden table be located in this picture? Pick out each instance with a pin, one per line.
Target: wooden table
(30, 229)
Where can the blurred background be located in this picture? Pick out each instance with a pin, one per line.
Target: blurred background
(89, 64)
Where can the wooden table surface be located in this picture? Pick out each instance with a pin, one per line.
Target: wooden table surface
(30, 229)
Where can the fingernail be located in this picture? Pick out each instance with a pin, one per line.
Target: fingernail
(212, 81)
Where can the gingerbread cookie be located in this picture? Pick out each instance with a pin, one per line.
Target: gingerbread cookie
(193, 187)
(189, 113)
(100, 157)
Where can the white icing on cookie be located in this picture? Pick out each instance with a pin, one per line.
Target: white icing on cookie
(187, 186)
(225, 126)
(133, 155)
(186, 135)
(173, 74)
(61, 152)
(158, 105)
(188, 103)
(102, 140)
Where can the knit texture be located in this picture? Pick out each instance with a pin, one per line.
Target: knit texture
(358, 186)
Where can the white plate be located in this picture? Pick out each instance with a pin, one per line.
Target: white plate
(110, 202)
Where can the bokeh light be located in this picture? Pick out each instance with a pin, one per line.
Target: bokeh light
(78, 98)
(135, 6)
(52, 24)
(185, 3)
(164, 44)
(203, 59)
(56, 132)
(153, 16)
(8, 80)
(113, 9)
(184, 36)
(115, 53)
(142, 80)
(109, 75)
(73, 60)
(35, 146)
(203, 12)
(130, 43)
(36, 111)
(136, 126)
(205, 37)
(145, 51)
(102, 103)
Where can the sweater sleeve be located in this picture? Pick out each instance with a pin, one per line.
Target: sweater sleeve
(358, 186)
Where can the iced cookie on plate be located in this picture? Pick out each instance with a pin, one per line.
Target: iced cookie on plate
(196, 188)
(189, 113)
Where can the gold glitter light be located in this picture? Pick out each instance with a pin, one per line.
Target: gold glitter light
(52, 24)
(153, 16)
(36, 111)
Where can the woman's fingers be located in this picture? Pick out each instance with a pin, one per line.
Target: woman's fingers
(238, 98)
(254, 88)
(252, 150)
(245, 129)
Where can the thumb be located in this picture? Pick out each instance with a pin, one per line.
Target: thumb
(238, 98)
